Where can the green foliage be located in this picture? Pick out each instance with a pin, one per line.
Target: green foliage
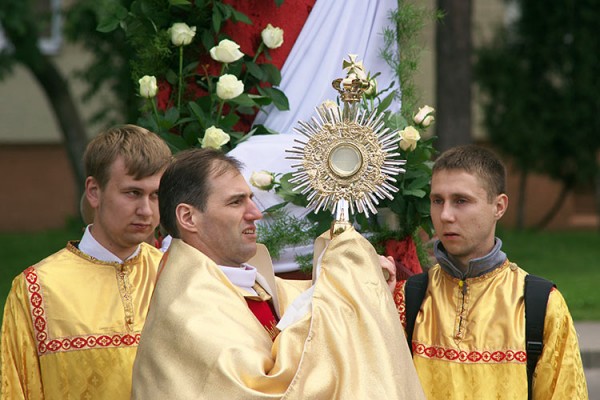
(539, 77)
(189, 103)
(283, 230)
(401, 50)
(411, 203)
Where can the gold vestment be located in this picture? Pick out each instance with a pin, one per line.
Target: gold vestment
(72, 325)
(201, 341)
(469, 340)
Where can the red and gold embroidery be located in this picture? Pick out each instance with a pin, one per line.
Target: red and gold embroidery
(473, 356)
(399, 300)
(40, 325)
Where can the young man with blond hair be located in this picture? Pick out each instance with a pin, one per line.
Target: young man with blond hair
(72, 322)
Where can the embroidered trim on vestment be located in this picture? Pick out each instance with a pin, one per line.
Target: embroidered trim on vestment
(49, 346)
(474, 356)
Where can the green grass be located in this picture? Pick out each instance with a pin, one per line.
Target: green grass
(570, 259)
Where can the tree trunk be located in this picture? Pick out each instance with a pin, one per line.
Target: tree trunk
(546, 219)
(57, 91)
(520, 222)
(453, 74)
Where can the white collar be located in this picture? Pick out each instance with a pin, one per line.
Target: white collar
(90, 246)
(243, 277)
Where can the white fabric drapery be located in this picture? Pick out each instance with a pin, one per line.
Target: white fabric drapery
(333, 30)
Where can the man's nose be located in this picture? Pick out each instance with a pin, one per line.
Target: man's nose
(447, 213)
(253, 213)
(145, 206)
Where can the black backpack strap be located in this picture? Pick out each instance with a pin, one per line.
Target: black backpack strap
(414, 292)
(537, 291)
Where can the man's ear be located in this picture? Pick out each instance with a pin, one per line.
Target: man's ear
(501, 205)
(92, 191)
(186, 217)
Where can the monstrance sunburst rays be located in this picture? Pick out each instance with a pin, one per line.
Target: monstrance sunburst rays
(347, 159)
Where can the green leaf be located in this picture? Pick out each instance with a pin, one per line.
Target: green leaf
(110, 18)
(190, 68)
(278, 2)
(172, 115)
(197, 112)
(171, 77)
(279, 99)
(414, 192)
(243, 100)
(275, 207)
(240, 17)
(421, 182)
(260, 100)
(263, 130)
(273, 75)
(228, 121)
(175, 142)
(207, 40)
(217, 18)
(179, 3)
(385, 103)
(255, 70)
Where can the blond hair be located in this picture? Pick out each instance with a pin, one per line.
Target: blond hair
(143, 152)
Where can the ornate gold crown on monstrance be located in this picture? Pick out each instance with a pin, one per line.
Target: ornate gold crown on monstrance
(347, 161)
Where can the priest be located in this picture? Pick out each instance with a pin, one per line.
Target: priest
(221, 326)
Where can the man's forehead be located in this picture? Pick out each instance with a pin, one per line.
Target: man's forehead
(228, 183)
(455, 182)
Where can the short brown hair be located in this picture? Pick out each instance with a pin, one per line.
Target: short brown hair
(187, 180)
(478, 161)
(144, 153)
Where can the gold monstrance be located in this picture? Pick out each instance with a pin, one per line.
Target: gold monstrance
(347, 161)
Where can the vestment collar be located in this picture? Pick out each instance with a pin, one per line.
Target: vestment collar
(477, 266)
(90, 246)
(243, 277)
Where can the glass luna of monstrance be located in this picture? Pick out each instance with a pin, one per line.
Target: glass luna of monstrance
(347, 158)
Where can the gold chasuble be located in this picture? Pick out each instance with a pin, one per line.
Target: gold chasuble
(72, 325)
(469, 340)
(201, 341)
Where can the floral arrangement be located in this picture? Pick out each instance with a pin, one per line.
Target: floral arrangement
(199, 88)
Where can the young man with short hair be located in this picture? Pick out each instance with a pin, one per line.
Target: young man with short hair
(72, 322)
(469, 334)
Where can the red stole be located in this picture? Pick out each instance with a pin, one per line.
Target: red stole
(263, 312)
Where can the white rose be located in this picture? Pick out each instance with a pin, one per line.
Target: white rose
(229, 87)
(226, 51)
(181, 33)
(262, 180)
(148, 86)
(371, 91)
(272, 36)
(428, 121)
(214, 137)
(410, 136)
(423, 112)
